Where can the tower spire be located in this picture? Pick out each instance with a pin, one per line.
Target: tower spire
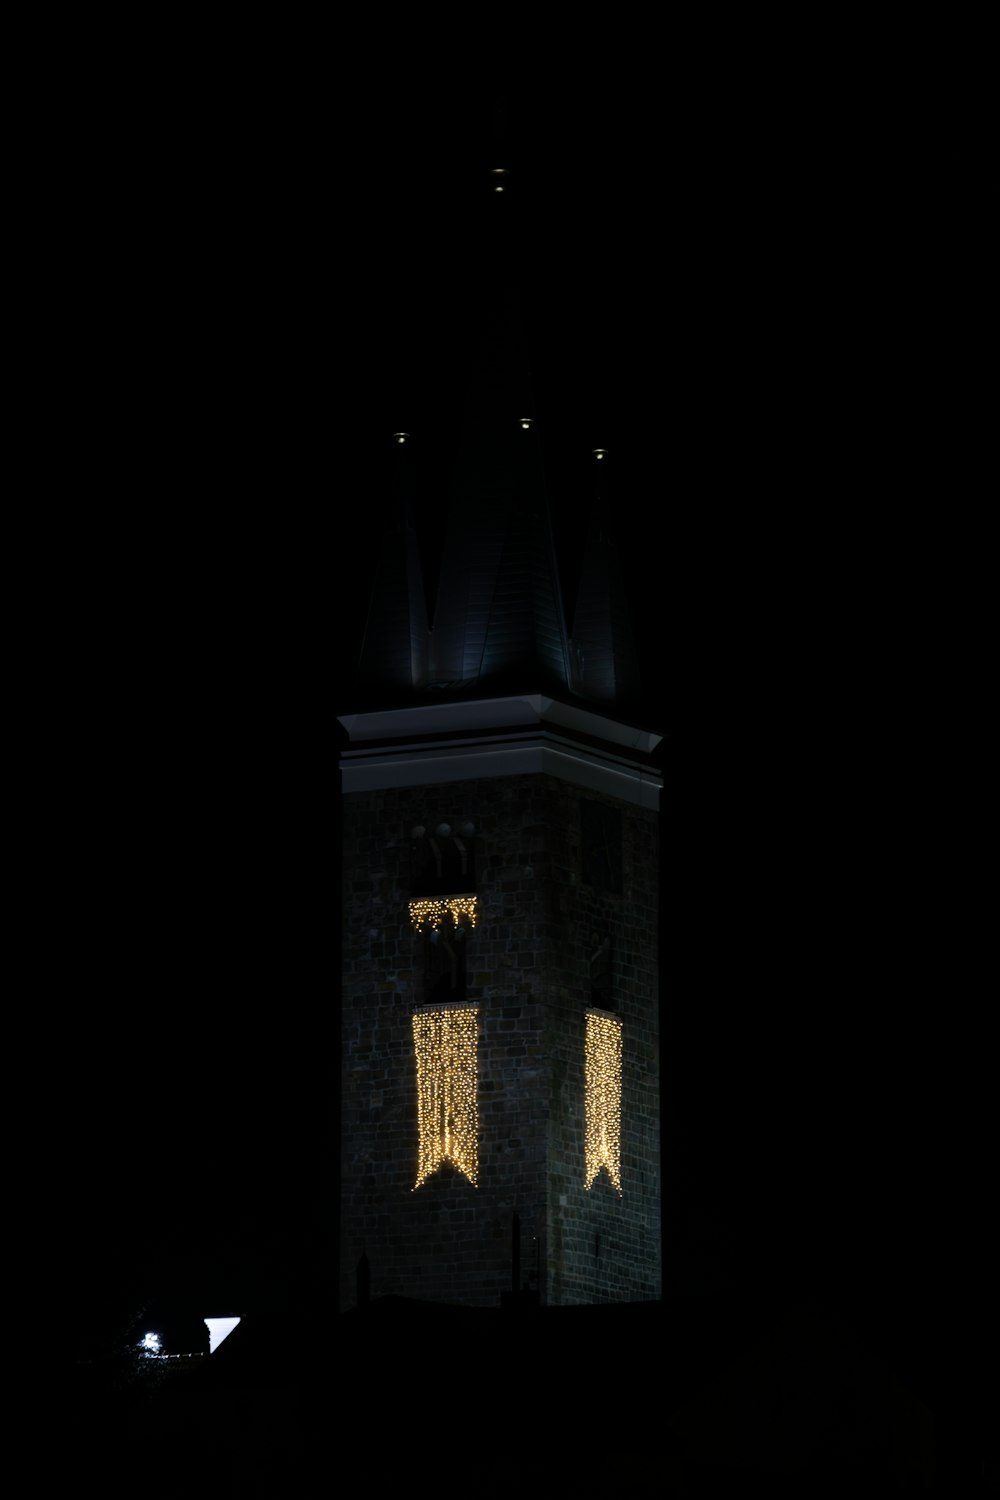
(499, 620)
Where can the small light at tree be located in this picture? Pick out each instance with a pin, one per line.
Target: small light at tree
(150, 1343)
(602, 1144)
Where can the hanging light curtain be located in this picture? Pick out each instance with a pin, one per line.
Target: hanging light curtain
(603, 1048)
(445, 1041)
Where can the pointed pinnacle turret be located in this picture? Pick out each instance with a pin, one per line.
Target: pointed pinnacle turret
(605, 666)
(394, 651)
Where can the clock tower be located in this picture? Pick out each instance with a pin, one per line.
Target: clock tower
(500, 1039)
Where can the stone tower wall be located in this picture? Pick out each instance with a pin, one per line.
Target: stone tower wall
(529, 973)
(602, 1247)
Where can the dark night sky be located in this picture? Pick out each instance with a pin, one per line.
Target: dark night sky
(771, 326)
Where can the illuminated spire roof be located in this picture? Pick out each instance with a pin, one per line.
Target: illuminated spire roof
(499, 619)
(499, 624)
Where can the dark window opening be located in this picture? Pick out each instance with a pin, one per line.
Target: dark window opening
(601, 982)
(602, 847)
(443, 864)
(445, 950)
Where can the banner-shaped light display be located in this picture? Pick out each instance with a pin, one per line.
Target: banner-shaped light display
(445, 1040)
(604, 1098)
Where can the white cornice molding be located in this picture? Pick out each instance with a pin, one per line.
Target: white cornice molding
(530, 752)
(485, 714)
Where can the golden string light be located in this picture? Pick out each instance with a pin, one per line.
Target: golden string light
(445, 1040)
(431, 913)
(603, 1049)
